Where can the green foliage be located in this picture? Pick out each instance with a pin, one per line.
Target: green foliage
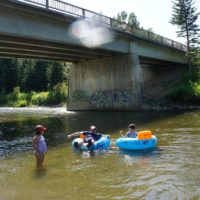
(18, 103)
(16, 92)
(186, 91)
(184, 17)
(8, 74)
(196, 60)
(3, 99)
(39, 99)
(130, 18)
(122, 16)
(31, 75)
(57, 68)
(40, 76)
(57, 96)
(26, 74)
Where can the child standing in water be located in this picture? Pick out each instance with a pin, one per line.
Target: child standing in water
(39, 145)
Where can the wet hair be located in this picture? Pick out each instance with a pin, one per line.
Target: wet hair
(132, 126)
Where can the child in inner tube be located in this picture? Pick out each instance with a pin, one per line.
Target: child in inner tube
(88, 136)
(131, 131)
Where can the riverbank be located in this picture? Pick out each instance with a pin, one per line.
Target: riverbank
(56, 97)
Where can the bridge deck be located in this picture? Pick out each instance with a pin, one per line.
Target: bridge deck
(40, 29)
(81, 13)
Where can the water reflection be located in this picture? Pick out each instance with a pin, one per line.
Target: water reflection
(40, 172)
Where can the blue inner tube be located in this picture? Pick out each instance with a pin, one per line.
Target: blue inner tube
(102, 143)
(135, 144)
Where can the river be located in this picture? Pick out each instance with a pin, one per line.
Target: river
(171, 171)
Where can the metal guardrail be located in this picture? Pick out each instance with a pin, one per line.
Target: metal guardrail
(69, 9)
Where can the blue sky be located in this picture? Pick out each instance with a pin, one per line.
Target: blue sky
(154, 14)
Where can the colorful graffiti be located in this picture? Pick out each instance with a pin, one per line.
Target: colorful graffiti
(111, 98)
(80, 95)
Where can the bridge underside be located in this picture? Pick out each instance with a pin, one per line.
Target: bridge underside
(13, 46)
(122, 82)
(113, 76)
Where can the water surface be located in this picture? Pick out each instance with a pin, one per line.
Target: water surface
(172, 171)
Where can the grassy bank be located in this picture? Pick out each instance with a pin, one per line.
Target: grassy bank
(57, 96)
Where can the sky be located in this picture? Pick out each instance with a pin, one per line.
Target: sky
(154, 14)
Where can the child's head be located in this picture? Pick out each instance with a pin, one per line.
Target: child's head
(93, 129)
(131, 126)
(40, 129)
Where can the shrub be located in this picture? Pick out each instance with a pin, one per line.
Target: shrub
(19, 99)
(58, 95)
(21, 103)
(185, 92)
(16, 92)
(39, 98)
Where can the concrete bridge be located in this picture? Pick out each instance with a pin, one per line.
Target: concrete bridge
(118, 71)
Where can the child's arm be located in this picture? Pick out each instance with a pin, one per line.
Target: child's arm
(76, 134)
(35, 143)
(127, 134)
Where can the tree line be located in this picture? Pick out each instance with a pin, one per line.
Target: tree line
(31, 75)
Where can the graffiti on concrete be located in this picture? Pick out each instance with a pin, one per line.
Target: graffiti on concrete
(111, 98)
(80, 95)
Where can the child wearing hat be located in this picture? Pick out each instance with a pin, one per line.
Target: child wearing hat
(39, 145)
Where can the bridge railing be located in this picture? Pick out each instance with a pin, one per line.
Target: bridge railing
(36, 2)
(69, 9)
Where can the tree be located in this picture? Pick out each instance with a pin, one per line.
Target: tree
(41, 81)
(184, 17)
(27, 78)
(9, 74)
(122, 16)
(55, 74)
(31, 75)
(130, 18)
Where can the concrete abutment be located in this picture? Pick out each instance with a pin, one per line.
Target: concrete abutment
(112, 83)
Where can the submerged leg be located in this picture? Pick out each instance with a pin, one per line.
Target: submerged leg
(89, 143)
(39, 159)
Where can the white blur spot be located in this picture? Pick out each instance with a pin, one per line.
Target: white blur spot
(90, 34)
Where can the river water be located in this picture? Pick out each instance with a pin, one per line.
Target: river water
(171, 171)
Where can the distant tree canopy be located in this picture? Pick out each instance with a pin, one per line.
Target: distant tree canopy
(130, 18)
(31, 75)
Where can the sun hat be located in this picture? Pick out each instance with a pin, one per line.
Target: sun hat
(40, 128)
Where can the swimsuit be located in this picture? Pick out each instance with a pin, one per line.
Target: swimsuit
(131, 134)
(42, 146)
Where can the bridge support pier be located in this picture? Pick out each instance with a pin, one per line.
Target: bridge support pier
(112, 83)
